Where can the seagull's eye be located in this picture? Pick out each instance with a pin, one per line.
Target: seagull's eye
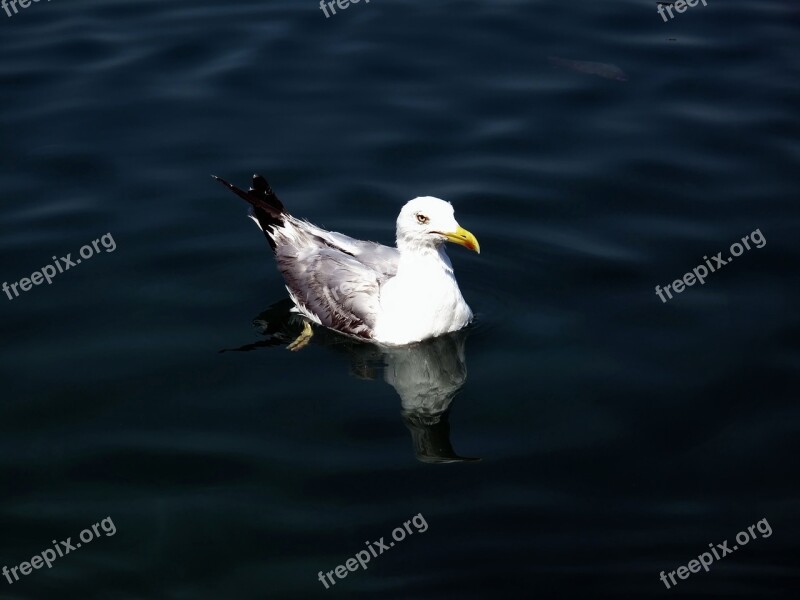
(422, 219)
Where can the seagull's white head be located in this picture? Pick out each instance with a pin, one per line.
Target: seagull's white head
(427, 223)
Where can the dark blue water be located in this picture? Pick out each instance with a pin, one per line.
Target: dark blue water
(619, 435)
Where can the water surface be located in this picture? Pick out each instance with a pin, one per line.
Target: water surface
(617, 435)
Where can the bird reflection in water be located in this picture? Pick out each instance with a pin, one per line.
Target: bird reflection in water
(426, 375)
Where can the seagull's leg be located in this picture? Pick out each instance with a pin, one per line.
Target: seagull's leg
(303, 339)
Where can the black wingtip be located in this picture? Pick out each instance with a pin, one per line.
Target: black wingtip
(267, 209)
(241, 193)
(261, 185)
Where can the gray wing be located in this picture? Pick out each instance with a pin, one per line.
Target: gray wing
(332, 288)
(333, 279)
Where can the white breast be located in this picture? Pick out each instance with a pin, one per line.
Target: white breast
(422, 301)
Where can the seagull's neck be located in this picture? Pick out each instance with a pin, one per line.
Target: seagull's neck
(419, 259)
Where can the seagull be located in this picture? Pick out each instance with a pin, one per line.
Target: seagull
(383, 295)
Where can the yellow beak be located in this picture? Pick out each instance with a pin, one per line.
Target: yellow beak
(462, 237)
